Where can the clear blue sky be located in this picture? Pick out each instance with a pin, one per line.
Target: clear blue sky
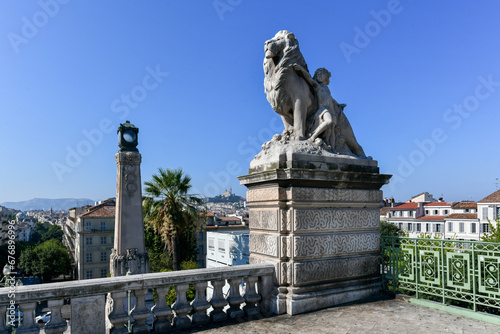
(421, 81)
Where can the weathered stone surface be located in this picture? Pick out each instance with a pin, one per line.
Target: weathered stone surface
(87, 314)
(327, 245)
(335, 219)
(335, 269)
(264, 219)
(264, 244)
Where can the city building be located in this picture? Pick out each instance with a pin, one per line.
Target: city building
(227, 245)
(93, 239)
(448, 220)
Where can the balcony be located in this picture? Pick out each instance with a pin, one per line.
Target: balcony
(90, 299)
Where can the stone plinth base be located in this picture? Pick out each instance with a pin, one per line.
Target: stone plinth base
(317, 219)
(131, 263)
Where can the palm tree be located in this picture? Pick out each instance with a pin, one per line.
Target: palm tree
(170, 210)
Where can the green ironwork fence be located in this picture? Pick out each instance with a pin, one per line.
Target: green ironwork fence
(455, 272)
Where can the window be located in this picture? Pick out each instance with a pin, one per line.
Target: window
(409, 226)
(104, 256)
(467, 210)
(200, 236)
(104, 272)
(419, 228)
(88, 241)
(497, 209)
(401, 225)
(485, 213)
(103, 226)
(89, 257)
(211, 245)
(436, 212)
(450, 226)
(103, 240)
(427, 227)
(410, 213)
(437, 228)
(445, 212)
(485, 228)
(473, 228)
(200, 249)
(426, 212)
(88, 226)
(90, 274)
(461, 227)
(221, 246)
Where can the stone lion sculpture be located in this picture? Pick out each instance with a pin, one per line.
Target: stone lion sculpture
(304, 103)
(287, 91)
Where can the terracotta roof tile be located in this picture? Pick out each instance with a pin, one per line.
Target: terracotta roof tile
(493, 198)
(465, 205)
(102, 212)
(462, 216)
(405, 206)
(439, 204)
(432, 218)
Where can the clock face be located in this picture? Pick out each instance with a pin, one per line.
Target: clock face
(129, 136)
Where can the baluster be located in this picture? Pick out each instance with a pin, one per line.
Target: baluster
(235, 299)
(218, 302)
(140, 313)
(4, 329)
(181, 307)
(200, 304)
(56, 324)
(28, 325)
(251, 297)
(118, 317)
(162, 311)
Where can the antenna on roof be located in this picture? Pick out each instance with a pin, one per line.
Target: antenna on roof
(496, 183)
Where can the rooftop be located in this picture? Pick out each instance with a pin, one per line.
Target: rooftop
(462, 216)
(406, 206)
(439, 204)
(380, 316)
(465, 205)
(493, 198)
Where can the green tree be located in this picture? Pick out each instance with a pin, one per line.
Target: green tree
(46, 261)
(494, 234)
(390, 230)
(171, 211)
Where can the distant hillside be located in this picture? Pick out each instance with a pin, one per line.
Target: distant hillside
(223, 199)
(46, 204)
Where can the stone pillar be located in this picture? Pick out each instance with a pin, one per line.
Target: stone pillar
(129, 252)
(317, 219)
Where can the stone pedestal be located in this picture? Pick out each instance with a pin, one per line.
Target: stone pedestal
(129, 253)
(317, 219)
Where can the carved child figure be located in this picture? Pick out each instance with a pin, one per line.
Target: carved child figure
(326, 117)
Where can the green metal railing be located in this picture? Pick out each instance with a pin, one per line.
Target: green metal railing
(455, 272)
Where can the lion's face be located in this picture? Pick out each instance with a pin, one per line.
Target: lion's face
(275, 46)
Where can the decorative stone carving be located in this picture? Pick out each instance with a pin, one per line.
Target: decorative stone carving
(136, 263)
(333, 195)
(330, 270)
(264, 194)
(263, 244)
(326, 245)
(334, 219)
(264, 219)
(304, 103)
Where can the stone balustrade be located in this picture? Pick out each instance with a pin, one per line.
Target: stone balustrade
(100, 305)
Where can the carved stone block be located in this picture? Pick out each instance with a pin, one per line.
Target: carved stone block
(335, 219)
(328, 245)
(335, 269)
(264, 244)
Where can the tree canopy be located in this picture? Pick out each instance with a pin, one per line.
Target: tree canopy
(171, 212)
(494, 234)
(46, 261)
(389, 229)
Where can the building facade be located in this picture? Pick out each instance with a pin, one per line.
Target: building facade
(93, 240)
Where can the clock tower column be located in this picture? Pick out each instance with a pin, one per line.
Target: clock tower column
(129, 253)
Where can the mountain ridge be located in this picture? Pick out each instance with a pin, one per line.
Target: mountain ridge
(47, 203)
